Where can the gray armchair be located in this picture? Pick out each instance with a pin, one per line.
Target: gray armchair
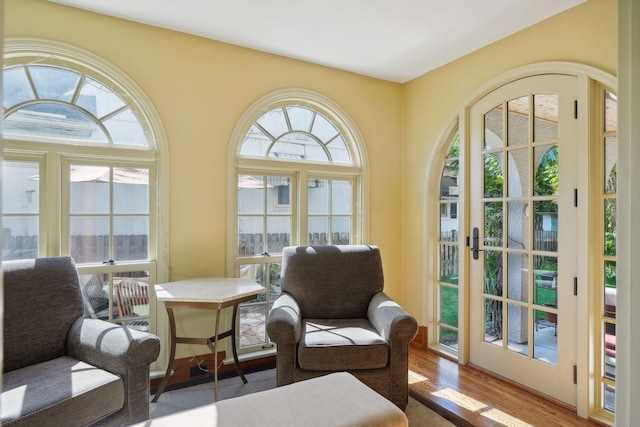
(61, 368)
(333, 315)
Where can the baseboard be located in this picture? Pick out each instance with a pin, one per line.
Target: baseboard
(421, 339)
(186, 371)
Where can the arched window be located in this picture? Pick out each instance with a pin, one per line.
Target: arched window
(299, 179)
(80, 166)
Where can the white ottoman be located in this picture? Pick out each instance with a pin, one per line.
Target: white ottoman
(334, 400)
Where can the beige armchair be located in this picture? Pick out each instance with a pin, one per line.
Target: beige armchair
(333, 315)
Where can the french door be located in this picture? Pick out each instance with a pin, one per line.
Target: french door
(523, 223)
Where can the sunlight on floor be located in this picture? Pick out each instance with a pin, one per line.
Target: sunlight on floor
(414, 377)
(473, 405)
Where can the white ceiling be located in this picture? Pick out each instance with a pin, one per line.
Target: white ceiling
(395, 40)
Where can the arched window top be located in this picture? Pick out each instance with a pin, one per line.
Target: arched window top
(298, 133)
(55, 93)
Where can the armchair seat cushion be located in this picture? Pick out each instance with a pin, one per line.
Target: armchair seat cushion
(341, 344)
(47, 393)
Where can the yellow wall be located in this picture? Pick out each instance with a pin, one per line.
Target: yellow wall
(586, 34)
(201, 88)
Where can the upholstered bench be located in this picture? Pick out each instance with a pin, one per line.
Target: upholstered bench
(334, 400)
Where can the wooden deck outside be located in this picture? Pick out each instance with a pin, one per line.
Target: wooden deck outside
(470, 397)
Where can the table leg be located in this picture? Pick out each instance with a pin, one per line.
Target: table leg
(215, 353)
(172, 356)
(233, 344)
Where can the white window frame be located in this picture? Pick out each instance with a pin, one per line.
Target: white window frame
(300, 171)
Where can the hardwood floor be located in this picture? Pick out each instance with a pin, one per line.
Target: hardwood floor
(470, 397)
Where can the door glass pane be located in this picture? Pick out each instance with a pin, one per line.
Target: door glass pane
(545, 225)
(611, 112)
(493, 175)
(518, 185)
(610, 164)
(493, 223)
(610, 292)
(449, 264)
(545, 337)
(610, 227)
(609, 351)
(545, 279)
(546, 117)
(518, 129)
(449, 305)
(518, 319)
(493, 273)
(449, 222)
(494, 128)
(547, 172)
(518, 277)
(518, 225)
(493, 321)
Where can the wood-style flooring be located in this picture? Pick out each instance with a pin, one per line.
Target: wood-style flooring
(468, 396)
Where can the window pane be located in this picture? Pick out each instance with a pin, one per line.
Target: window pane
(274, 122)
(250, 236)
(449, 337)
(610, 351)
(53, 120)
(300, 118)
(131, 190)
(298, 146)
(130, 238)
(341, 197)
(610, 292)
(98, 98)
(278, 195)
(256, 143)
(20, 187)
(323, 129)
(90, 188)
(318, 230)
(125, 128)
(20, 237)
(250, 194)
(340, 229)
(278, 233)
(89, 239)
(449, 189)
(95, 293)
(318, 196)
(610, 227)
(131, 294)
(53, 82)
(15, 87)
(339, 151)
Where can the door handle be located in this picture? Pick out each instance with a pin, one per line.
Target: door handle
(474, 242)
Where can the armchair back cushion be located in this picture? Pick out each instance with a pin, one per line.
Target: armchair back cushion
(42, 300)
(322, 279)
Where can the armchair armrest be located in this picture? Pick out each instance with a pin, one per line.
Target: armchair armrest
(391, 320)
(113, 348)
(285, 320)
